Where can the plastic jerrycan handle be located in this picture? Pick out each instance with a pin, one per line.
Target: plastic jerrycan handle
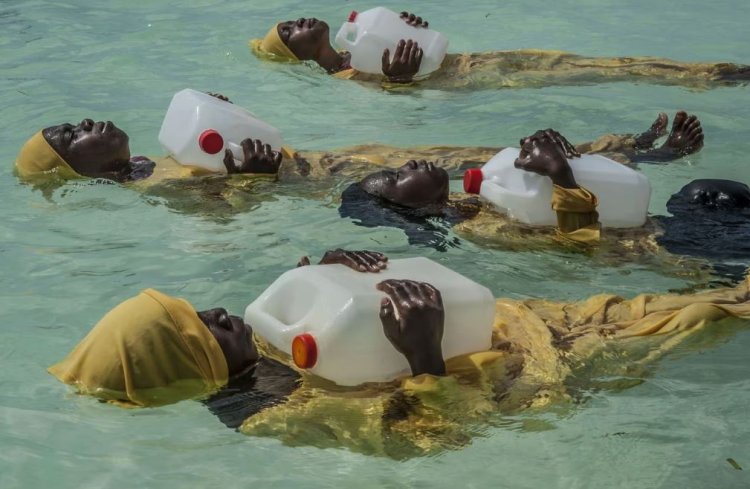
(497, 189)
(237, 150)
(475, 182)
(282, 329)
(342, 37)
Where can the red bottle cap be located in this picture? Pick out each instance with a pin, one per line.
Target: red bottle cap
(473, 180)
(304, 350)
(210, 141)
(353, 16)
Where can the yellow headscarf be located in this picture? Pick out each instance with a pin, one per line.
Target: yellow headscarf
(272, 47)
(37, 157)
(150, 350)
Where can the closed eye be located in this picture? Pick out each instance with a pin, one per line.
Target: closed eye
(225, 322)
(285, 31)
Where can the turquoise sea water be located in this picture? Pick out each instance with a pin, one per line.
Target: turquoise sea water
(67, 258)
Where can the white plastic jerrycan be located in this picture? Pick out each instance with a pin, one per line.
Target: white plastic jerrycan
(198, 127)
(623, 193)
(368, 33)
(327, 318)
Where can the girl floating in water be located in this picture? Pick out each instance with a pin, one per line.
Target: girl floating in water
(307, 39)
(154, 349)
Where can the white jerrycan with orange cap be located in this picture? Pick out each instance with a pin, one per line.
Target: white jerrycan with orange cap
(327, 318)
(198, 128)
(623, 193)
(366, 34)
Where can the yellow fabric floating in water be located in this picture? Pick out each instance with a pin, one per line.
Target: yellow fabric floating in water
(150, 350)
(167, 168)
(153, 350)
(346, 74)
(577, 219)
(536, 68)
(536, 346)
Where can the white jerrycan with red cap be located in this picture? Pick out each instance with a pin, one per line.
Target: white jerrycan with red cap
(366, 34)
(326, 317)
(623, 193)
(198, 128)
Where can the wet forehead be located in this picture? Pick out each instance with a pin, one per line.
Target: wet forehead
(54, 134)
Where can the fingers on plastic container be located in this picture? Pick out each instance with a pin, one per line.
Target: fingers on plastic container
(332, 328)
(623, 193)
(367, 34)
(197, 127)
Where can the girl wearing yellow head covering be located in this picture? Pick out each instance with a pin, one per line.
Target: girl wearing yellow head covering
(150, 350)
(101, 150)
(90, 149)
(308, 39)
(272, 47)
(153, 349)
(38, 157)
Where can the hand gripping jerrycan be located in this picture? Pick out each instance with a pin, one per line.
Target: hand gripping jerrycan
(622, 192)
(368, 33)
(327, 318)
(198, 127)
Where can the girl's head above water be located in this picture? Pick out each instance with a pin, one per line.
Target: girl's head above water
(416, 184)
(294, 40)
(708, 194)
(301, 40)
(154, 349)
(235, 338)
(89, 149)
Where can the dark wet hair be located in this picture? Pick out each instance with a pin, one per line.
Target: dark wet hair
(710, 219)
(430, 228)
(706, 195)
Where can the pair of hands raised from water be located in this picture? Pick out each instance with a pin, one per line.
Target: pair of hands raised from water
(412, 313)
(408, 55)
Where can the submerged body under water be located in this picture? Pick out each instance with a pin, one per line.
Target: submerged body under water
(711, 220)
